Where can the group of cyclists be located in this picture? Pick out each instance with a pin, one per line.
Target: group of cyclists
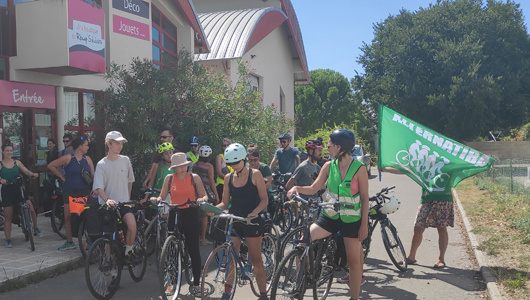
(238, 181)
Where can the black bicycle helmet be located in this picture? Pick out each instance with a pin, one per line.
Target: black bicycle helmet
(344, 138)
(285, 136)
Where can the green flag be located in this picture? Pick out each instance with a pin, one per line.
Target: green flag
(437, 163)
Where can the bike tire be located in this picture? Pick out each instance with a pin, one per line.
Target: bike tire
(170, 269)
(28, 223)
(84, 240)
(393, 245)
(289, 280)
(103, 268)
(137, 269)
(269, 257)
(57, 218)
(368, 240)
(216, 273)
(284, 219)
(289, 241)
(324, 267)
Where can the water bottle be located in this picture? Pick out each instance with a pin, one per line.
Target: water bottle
(122, 239)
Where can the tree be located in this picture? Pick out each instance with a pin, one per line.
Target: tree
(326, 101)
(184, 96)
(458, 67)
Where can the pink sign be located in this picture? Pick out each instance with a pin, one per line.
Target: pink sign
(130, 27)
(86, 36)
(27, 95)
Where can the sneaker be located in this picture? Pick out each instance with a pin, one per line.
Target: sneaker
(264, 297)
(346, 279)
(67, 246)
(206, 243)
(195, 291)
(225, 296)
(37, 232)
(8, 244)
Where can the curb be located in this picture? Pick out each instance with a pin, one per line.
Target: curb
(487, 274)
(40, 275)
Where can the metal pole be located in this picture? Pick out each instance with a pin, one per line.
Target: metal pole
(511, 176)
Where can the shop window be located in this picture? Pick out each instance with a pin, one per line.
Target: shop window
(3, 68)
(164, 39)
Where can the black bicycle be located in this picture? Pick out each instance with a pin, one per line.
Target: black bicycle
(380, 207)
(280, 212)
(57, 215)
(23, 212)
(105, 258)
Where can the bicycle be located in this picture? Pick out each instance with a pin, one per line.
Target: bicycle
(380, 206)
(310, 263)
(280, 212)
(105, 258)
(174, 259)
(224, 264)
(155, 226)
(23, 211)
(57, 214)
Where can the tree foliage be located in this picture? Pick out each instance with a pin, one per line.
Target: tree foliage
(326, 101)
(187, 98)
(458, 67)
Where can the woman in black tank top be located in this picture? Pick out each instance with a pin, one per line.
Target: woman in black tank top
(246, 188)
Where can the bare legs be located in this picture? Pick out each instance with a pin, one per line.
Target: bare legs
(443, 241)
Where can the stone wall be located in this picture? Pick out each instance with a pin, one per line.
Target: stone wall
(503, 150)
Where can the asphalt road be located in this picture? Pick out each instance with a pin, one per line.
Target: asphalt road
(459, 280)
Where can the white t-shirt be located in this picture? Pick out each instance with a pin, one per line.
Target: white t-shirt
(114, 176)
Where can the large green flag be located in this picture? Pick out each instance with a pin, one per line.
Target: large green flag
(437, 163)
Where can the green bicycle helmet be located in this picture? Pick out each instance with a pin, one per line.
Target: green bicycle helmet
(165, 147)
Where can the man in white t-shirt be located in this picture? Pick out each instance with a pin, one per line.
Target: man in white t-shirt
(113, 181)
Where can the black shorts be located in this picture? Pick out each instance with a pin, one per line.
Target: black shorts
(11, 195)
(350, 230)
(249, 230)
(124, 210)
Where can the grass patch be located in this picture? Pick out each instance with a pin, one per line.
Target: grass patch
(501, 221)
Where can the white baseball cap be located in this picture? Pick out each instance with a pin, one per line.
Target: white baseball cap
(115, 135)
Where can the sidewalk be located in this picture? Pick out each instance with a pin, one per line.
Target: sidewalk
(20, 261)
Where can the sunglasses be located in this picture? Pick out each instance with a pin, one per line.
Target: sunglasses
(66, 141)
(165, 136)
(194, 146)
(254, 159)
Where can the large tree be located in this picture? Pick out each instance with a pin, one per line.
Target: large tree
(326, 101)
(459, 67)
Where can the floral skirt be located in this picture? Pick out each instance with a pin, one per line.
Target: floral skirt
(435, 214)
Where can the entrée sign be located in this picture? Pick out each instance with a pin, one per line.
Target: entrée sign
(27, 95)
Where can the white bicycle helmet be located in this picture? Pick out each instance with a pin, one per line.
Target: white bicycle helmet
(391, 206)
(234, 153)
(205, 151)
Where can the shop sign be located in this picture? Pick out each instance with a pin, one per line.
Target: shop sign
(26, 95)
(86, 36)
(135, 7)
(130, 27)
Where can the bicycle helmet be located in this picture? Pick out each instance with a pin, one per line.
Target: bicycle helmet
(345, 138)
(285, 136)
(205, 151)
(391, 206)
(234, 153)
(194, 140)
(313, 144)
(165, 147)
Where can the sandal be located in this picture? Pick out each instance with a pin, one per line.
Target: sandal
(439, 265)
(409, 261)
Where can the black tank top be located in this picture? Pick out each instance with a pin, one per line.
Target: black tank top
(244, 199)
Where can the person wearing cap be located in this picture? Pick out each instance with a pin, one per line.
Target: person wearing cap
(185, 187)
(193, 154)
(165, 137)
(287, 157)
(113, 181)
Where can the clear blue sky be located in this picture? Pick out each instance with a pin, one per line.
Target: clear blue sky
(333, 31)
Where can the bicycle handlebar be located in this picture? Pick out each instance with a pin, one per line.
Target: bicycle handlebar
(162, 203)
(382, 193)
(150, 190)
(245, 220)
(314, 202)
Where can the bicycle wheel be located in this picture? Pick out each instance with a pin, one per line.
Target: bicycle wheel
(103, 268)
(284, 219)
(57, 218)
(289, 280)
(28, 224)
(393, 245)
(84, 240)
(324, 267)
(368, 240)
(170, 269)
(269, 255)
(219, 277)
(290, 241)
(137, 268)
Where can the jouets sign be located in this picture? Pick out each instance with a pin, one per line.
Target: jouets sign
(130, 27)
(26, 95)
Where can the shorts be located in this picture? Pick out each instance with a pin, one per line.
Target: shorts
(245, 230)
(11, 195)
(74, 194)
(435, 214)
(349, 230)
(124, 210)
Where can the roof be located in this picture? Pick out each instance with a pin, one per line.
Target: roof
(189, 11)
(232, 33)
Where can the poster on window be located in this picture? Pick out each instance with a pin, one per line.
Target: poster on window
(86, 36)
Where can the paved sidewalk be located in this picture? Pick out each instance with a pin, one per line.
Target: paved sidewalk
(20, 261)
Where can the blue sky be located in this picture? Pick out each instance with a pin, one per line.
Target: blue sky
(333, 31)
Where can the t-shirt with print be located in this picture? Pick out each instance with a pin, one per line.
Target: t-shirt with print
(286, 159)
(305, 174)
(114, 176)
